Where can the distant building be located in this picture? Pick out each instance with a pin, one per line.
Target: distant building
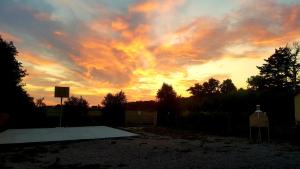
(297, 109)
(140, 118)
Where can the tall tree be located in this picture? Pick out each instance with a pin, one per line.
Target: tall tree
(14, 99)
(280, 70)
(276, 68)
(114, 107)
(227, 87)
(167, 105)
(295, 50)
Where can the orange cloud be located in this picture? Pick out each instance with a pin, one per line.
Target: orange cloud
(145, 7)
(155, 6)
(9, 37)
(119, 25)
(138, 49)
(35, 59)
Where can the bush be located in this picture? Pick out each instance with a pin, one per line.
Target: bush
(114, 109)
(75, 112)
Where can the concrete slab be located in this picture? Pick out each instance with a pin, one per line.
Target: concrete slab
(13, 136)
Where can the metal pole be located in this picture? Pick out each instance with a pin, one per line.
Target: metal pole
(250, 136)
(268, 134)
(259, 136)
(61, 111)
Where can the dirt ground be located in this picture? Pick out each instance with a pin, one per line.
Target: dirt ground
(153, 148)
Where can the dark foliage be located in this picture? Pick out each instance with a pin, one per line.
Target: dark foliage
(114, 107)
(257, 83)
(279, 72)
(202, 95)
(14, 99)
(223, 109)
(75, 112)
(209, 88)
(142, 106)
(227, 87)
(167, 106)
(229, 114)
(41, 112)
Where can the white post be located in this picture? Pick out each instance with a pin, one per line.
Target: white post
(61, 111)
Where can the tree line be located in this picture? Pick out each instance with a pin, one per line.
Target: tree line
(213, 105)
(221, 107)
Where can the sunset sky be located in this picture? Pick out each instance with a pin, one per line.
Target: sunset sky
(102, 46)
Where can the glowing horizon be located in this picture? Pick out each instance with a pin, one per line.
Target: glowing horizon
(97, 46)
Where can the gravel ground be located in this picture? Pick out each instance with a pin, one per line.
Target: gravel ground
(164, 149)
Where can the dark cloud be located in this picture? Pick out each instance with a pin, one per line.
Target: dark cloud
(33, 22)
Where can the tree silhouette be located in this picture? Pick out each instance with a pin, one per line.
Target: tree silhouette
(196, 90)
(167, 105)
(75, 111)
(227, 87)
(209, 88)
(280, 70)
(114, 108)
(295, 50)
(257, 83)
(39, 103)
(14, 99)
(41, 112)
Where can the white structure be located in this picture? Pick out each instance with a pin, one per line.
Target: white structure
(297, 109)
(12, 136)
(259, 120)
